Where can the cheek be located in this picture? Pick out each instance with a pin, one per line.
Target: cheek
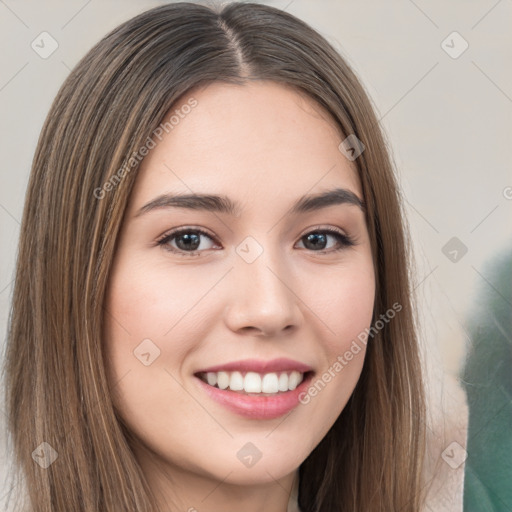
(151, 300)
(158, 303)
(150, 328)
(143, 308)
(343, 301)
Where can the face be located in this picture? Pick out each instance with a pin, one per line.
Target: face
(262, 298)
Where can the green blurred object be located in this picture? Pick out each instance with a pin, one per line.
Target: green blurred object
(487, 379)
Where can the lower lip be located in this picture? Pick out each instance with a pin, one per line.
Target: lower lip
(257, 407)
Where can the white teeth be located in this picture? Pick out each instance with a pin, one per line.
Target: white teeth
(236, 383)
(211, 378)
(283, 382)
(222, 380)
(252, 382)
(270, 383)
(294, 380)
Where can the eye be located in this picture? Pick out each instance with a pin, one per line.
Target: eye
(187, 241)
(317, 240)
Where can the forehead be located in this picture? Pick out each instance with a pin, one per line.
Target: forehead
(261, 139)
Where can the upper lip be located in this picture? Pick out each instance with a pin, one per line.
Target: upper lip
(260, 366)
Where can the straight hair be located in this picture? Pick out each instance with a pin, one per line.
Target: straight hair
(57, 390)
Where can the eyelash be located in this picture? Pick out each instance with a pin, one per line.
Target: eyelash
(344, 240)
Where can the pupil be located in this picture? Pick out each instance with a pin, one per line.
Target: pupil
(314, 237)
(191, 241)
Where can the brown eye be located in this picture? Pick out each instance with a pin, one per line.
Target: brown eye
(186, 242)
(318, 240)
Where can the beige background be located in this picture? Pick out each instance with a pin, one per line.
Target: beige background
(448, 121)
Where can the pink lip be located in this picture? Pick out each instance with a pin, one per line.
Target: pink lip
(260, 366)
(254, 406)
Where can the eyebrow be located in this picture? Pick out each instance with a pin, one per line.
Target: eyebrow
(223, 204)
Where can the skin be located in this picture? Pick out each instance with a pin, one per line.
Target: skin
(265, 146)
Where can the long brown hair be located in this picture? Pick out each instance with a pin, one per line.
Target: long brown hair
(56, 385)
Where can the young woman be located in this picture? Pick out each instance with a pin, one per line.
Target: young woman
(212, 308)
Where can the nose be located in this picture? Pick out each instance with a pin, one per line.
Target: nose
(263, 300)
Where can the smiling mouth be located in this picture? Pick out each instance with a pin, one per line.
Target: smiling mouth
(253, 383)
